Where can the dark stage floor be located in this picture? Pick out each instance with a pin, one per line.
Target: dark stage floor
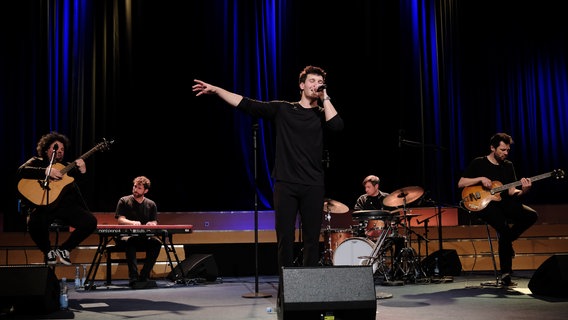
(459, 297)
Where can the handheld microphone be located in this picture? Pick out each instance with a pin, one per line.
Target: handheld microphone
(321, 88)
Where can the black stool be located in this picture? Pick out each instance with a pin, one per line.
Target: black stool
(495, 271)
(57, 226)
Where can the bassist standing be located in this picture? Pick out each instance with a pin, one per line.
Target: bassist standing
(49, 186)
(508, 216)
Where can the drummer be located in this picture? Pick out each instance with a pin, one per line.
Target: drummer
(372, 199)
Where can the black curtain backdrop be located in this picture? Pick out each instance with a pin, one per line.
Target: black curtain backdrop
(421, 85)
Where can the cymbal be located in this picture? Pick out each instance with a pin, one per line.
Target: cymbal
(333, 206)
(408, 215)
(401, 196)
(373, 214)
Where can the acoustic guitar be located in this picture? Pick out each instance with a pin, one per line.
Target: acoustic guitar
(35, 191)
(476, 198)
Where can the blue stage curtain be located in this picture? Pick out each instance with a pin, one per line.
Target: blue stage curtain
(476, 69)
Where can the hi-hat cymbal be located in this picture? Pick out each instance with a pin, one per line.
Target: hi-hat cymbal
(408, 215)
(333, 206)
(372, 215)
(401, 196)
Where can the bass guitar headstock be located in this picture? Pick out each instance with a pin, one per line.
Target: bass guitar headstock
(558, 174)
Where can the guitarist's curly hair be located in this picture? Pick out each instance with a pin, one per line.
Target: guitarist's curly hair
(47, 139)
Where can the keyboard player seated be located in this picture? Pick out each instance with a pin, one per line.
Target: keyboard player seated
(137, 210)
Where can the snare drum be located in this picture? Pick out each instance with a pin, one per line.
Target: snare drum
(354, 252)
(334, 237)
(374, 228)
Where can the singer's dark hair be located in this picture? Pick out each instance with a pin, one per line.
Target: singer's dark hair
(47, 139)
(311, 70)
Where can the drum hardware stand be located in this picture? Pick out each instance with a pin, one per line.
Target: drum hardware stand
(425, 221)
(327, 257)
(378, 256)
(418, 272)
(370, 260)
(407, 263)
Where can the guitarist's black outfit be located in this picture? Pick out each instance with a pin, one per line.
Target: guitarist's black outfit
(509, 217)
(69, 207)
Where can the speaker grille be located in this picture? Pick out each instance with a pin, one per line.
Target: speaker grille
(340, 283)
(346, 292)
(196, 266)
(29, 289)
(551, 278)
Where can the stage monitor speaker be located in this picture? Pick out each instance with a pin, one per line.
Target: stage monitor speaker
(551, 278)
(29, 289)
(448, 262)
(196, 266)
(344, 292)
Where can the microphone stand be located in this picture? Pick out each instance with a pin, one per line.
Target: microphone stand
(46, 181)
(45, 184)
(425, 221)
(440, 227)
(255, 294)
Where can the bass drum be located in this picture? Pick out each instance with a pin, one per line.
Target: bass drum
(354, 252)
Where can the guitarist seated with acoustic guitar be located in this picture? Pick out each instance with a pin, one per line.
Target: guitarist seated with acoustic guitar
(506, 214)
(58, 197)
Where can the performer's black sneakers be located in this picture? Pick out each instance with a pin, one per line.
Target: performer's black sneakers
(506, 280)
(63, 256)
(51, 257)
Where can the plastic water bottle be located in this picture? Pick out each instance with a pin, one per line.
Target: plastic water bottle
(84, 279)
(63, 298)
(77, 278)
(436, 268)
(271, 310)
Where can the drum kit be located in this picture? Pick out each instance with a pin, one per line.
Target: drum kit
(376, 239)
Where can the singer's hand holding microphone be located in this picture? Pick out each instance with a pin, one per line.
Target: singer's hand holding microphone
(321, 89)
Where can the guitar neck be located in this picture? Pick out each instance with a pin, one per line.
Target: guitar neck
(518, 183)
(84, 156)
(68, 167)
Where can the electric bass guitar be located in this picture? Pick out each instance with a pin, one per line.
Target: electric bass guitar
(476, 198)
(36, 192)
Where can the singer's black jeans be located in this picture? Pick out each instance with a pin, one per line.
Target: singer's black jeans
(291, 199)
